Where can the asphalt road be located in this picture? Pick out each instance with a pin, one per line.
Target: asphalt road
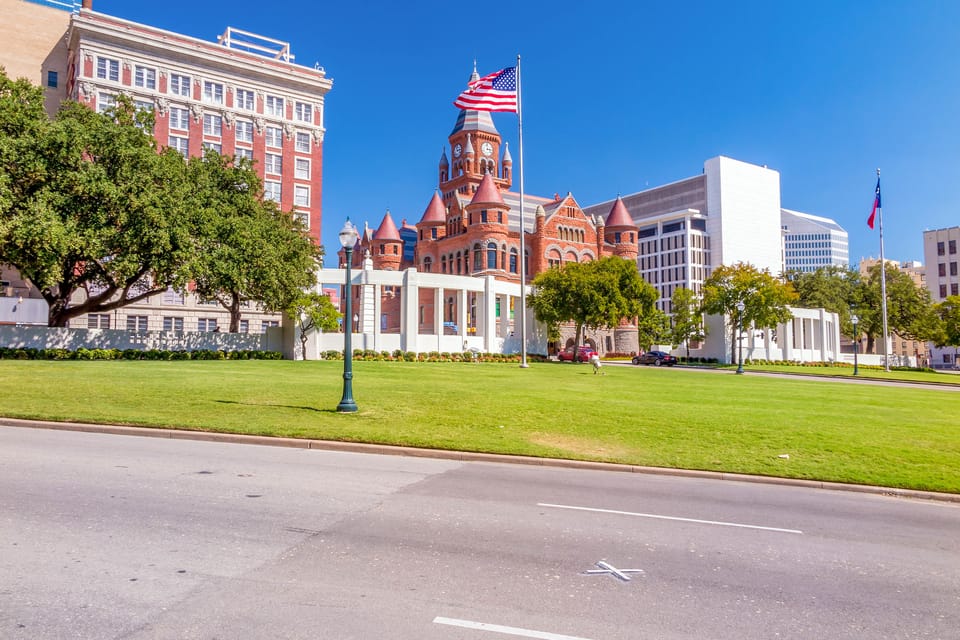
(105, 536)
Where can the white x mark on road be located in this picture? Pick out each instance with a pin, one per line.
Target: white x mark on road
(606, 567)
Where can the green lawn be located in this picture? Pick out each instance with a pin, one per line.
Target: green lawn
(891, 436)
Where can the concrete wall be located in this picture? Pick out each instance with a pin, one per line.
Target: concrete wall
(66, 338)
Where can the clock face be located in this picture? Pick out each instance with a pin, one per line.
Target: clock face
(486, 148)
(457, 150)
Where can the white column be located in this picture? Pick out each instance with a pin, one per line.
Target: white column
(409, 311)
(489, 314)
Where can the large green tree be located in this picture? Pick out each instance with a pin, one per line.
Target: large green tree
(833, 288)
(687, 318)
(88, 205)
(765, 298)
(653, 328)
(948, 334)
(248, 250)
(910, 310)
(591, 295)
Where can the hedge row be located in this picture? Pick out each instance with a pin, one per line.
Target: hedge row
(431, 356)
(7, 353)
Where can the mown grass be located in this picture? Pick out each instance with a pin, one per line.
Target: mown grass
(891, 436)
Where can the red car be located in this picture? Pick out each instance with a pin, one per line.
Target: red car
(584, 356)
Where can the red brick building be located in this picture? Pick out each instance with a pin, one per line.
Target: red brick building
(471, 226)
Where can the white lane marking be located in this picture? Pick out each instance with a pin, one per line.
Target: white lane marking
(510, 631)
(660, 517)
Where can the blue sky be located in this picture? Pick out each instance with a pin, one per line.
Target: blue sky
(622, 96)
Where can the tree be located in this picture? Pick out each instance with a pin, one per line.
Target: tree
(910, 310)
(312, 311)
(87, 204)
(764, 297)
(248, 250)
(832, 288)
(687, 318)
(653, 328)
(591, 295)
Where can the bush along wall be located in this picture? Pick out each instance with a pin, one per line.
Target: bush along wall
(8, 353)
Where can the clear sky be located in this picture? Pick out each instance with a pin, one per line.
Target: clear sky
(622, 96)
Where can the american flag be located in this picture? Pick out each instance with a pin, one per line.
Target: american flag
(495, 92)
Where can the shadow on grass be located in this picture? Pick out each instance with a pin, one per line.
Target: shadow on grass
(277, 406)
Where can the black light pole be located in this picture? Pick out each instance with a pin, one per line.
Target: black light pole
(856, 342)
(348, 238)
(740, 307)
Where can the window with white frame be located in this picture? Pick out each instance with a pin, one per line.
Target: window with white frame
(244, 153)
(145, 77)
(98, 321)
(179, 84)
(108, 69)
(206, 324)
(301, 195)
(271, 190)
(105, 101)
(303, 142)
(244, 131)
(274, 136)
(303, 218)
(243, 99)
(301, 168)
(172, 323)
(266, 324)
(213, 146)
(136, 323)
(180, 144)
(273, 163)
(212, 92)
(172, 296)
(244, 326)
(142, 105)
(179, 118)
(303, 111)
(273, 106)
(212, 125)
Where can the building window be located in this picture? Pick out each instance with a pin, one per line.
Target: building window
(273, 163)
(274, 136)
(244, 326)
(136, 323)
(212, 125)
(180, 84)
(491, 255)
(212, 92)
(98, 321)
(206, 324)
(943, 291)
(940, 249)
(244, 153)
(301, 169)
(244, 99)
(427, 266)
(953, 247)
(212, 146)
(52, 79)
(271, 190)
(108, 69)
(180, 144)
(172, 296)
(244, 131)
(303, 112)
(513, 260)
(954, 289)
(266, 324)
(301, 195)
(953, 268)
(105, 101)
(303, 218)
(273, 106)
(179, 118)
(172, 323)
(303, 142)
(144, 77)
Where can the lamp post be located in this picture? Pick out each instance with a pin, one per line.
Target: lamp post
(856, 342)
(348, 238)
(740, 307)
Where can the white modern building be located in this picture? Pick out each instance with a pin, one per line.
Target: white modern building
(811, 242)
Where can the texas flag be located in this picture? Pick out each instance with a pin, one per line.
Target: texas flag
(876, 206)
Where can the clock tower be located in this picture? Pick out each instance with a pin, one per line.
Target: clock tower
(475, 151)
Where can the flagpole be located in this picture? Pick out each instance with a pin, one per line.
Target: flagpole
(523, 257)
(883, 288)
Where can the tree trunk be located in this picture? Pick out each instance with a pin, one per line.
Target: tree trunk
(234, 313)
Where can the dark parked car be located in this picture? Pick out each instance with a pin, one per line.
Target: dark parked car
(658, 358)
(585, 354)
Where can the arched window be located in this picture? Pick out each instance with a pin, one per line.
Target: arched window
(443, 264)
(427, 265)
(459, 258)
(491, 255)
(503, 258)
(513, 260)
(477, 258)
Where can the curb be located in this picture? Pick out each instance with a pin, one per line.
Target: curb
(468, 456)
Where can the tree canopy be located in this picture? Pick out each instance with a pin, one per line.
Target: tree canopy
(312, 311)
(591, 295)
(687, 318)
(765, 298)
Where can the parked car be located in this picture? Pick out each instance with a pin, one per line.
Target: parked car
(658, 358)
(585, 354)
